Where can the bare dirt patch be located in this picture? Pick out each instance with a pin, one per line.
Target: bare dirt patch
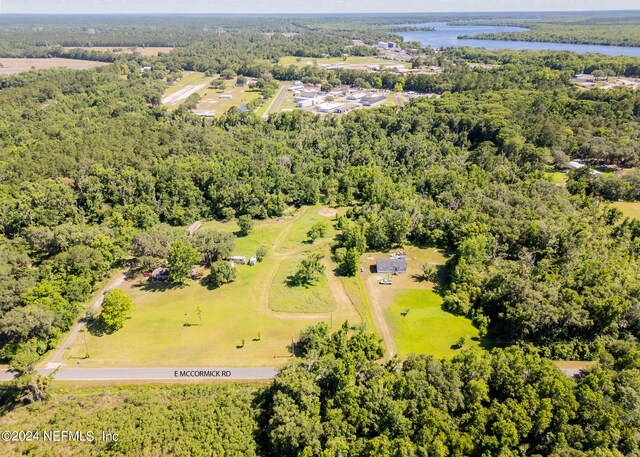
(12, 66)
(328, 212)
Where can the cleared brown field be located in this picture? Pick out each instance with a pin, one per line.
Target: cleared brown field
(150, 52)
(10, 66)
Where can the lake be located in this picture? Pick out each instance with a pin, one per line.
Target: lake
(447, 35)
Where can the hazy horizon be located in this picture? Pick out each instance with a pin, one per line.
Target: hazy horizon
(265, 7)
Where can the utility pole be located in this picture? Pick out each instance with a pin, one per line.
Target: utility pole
(86, 348)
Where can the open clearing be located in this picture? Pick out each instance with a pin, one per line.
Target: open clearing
(11, 66)
(147, 52)
(191, 83)
(425, 327)
(197, 326)
(629, 209)
(165, 328)
(211, 102)
(557, 177)
(302, 299)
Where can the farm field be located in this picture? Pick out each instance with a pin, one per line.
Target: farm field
(144, 51)
(12, 66)
(629, 209)
(196, 326)
(349, 60)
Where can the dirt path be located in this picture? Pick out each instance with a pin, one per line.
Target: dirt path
(343, 303)
(58, 353)
(262, 291)
(379, 319)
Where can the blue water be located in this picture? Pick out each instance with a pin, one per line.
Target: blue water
(447, 35)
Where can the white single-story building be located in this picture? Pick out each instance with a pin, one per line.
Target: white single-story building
(329, 107)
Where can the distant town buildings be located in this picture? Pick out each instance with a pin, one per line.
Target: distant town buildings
(387, 45)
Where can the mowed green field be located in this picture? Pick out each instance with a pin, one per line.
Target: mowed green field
(427, 328)
(629, 209)
(166, 330)
(283, 297)
(557, 177)
(211, 100)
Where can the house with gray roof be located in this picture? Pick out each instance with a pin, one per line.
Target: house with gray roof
(391, 265)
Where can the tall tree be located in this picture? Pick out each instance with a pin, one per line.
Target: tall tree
(182, 257)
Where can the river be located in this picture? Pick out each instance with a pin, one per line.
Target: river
(447, 35)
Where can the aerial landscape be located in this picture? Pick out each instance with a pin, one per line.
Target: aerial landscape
(284, 229)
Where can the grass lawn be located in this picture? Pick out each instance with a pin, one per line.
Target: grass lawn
(355, 290)
(557, 177)
(426, 328)
(315, 298)
(211, 100)
(166, 330)
(629, 209)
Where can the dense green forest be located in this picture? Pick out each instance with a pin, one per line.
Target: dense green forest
(335, 399)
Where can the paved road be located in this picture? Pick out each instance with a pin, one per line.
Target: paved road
(274, 106)
(153, 374)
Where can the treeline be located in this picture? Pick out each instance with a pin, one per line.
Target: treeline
(336, 398)
(598, 34)
(556, 60)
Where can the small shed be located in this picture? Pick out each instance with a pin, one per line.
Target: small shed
(253, 260)
(391, 265)
(161, 274)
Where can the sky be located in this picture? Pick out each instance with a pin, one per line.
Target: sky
(303, 6)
